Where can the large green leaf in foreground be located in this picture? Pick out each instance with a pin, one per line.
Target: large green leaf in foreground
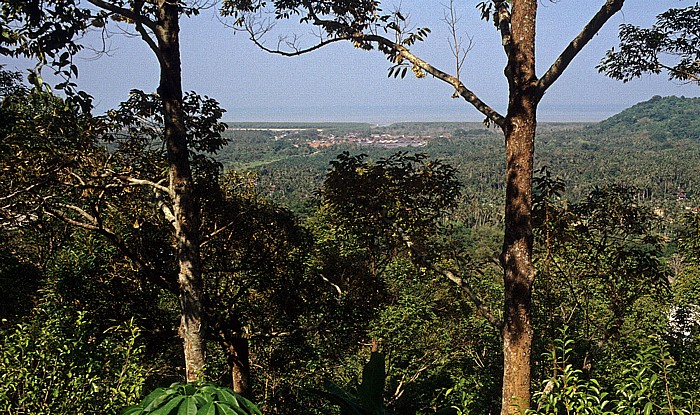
(193, 399)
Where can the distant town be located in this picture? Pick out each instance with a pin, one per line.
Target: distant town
(321, 137)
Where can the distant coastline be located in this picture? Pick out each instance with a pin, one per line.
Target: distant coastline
(385, 115)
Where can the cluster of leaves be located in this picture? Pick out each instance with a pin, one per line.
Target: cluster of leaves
(406, 191)
(601, 267)
(141, 118)
(647, 385)
(355, 16)
(641, 50)
(193, 399)
(44, 138)
(567, 391)
(55, 362)
(43, 30)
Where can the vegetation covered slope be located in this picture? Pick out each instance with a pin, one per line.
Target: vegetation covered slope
(662, 118)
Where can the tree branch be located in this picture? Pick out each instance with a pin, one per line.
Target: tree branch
(466, 289)
(594, 25)
(164, 281)
(295, 51)
(681, 74)
(345, 32)
(503, 24)
(141, 182)
(129, 14)
(150, 42)
(461, 89)
(208, 237)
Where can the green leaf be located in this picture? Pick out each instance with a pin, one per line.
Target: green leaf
(227, 396)
(249, 406)
(155, 399)
(224, 409)
(336, 395)
(168, 407)
(208, 409)
(188, 406)
(371, 390)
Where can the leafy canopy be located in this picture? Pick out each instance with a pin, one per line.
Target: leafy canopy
(672, 44)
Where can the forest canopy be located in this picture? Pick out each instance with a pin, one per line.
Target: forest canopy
(339, 268)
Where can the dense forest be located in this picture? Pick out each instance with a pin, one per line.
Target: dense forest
(651, 148)
(156, 260)
(319, 268)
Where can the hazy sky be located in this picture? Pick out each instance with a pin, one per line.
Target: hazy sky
(340, 83)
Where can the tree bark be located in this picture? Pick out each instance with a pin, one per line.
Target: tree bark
(519, 274)
(239, 362)
(184, 203)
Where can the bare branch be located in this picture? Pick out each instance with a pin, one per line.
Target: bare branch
(83, 213)
(455, 41)
(296, 51)
(150, 42)
(336, 286)
(24, 190)
(344, 32)
(681, 74)
(258, 29)
(594, 25)
(209, 236)
(140, 21)
(141, 182)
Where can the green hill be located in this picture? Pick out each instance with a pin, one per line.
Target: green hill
(663, 118)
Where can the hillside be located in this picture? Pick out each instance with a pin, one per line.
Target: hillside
(662, 118)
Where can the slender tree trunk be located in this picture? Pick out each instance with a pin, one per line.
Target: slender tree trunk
(239, 362)
(184, 204)
(521, 123)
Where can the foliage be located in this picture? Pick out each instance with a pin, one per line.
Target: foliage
(54, 362)
(16, 300)
(439, 350)
(649, 384)
(663, 118)
(46, 32)
(674, 36)
(193, 399)
(11, 83)
(567, 391)
(369, 399)
(141, 116)
(601, 271)
(403, 192)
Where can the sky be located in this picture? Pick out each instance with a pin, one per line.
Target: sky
(341, 83)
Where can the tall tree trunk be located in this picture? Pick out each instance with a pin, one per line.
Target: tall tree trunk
(520, 126)
(184, 204)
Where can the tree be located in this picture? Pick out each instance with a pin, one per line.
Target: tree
(389, 219)
(672, 44)
(363, 23)
(253, 251)
(49, 32)
(600, 266)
